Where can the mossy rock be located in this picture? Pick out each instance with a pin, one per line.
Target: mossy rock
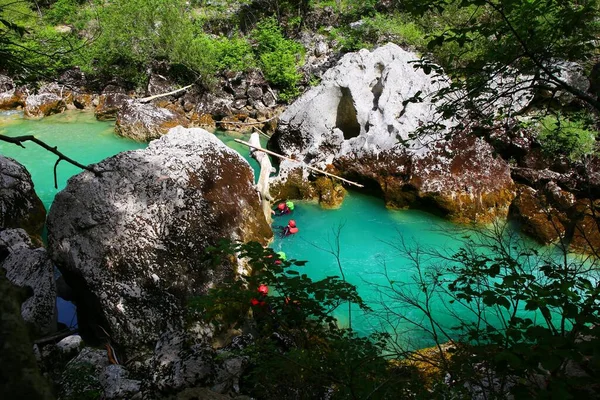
(331, 193)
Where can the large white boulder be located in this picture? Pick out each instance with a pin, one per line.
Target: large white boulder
(362, 122)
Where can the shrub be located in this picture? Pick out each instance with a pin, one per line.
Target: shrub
(62, 12)
(569, 137)
(299, 351)
(136, 32)
(234, 54)
(279, 57)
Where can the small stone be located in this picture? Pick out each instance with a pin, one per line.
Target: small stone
(70, 344)
(254, 92)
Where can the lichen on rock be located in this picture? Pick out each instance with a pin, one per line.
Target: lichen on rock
(20, 207)
(30, 267)
(144, 122)
(361, 120)
(131, 242)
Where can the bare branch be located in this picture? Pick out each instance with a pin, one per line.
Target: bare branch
(18, 140)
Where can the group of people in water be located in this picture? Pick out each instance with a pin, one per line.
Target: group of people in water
(283, 208)
(286, 208)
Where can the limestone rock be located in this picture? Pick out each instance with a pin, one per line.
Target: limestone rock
(177, 364)
(28, 267)
(110, 102)
(465, 179)
(116, 384)
(10, 96)
(331, 192)
(144, 122)
(54, 357)
(572, 74)
(159, 84)
(21, 378)
(6, 83)
(586, 232)
(538, 218)
(81, 375)
(44, 104)
(70, 344)
(131, 242)
(74, 79)
(506, 94)
(20, 207)
(358, 107)
(218, 104)
(12, 99)
(360, 121)
(292, 183)
(319, 55)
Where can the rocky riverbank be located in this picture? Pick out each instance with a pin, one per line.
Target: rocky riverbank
(359, 123)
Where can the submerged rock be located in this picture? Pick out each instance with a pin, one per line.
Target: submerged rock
(144, 122)
(30, 267)
(131, 243)
(361, 121)
(20, 207)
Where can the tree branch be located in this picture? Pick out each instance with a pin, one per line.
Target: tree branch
(18, 140)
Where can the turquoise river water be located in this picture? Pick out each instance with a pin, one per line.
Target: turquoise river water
(367, 237)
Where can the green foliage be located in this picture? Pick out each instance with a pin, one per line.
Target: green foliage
(136, 32)
(279, 57)
(62, 12)
(234, 54)
(398, 28)
(299, 350)
(479, 41)
(522, 319)
(547, 317)
(29, 49)
(569, 137)
(80, 382)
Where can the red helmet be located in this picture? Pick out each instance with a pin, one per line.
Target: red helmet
(292, 223)
(263, 289)
(281, 206)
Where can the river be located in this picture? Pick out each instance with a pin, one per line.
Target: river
(369, 233)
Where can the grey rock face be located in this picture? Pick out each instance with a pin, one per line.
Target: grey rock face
(110, 102)
(115, 383)
(572, 74)
(6, 83)
(144, 122)
(358, 107)
(131, 242)
(9, 97)
(360, 120)
(81, 375)
(28, 267)
(70, 344)
(177, 364)
(20, 207)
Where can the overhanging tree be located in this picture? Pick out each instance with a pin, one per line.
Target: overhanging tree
(528, 40)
